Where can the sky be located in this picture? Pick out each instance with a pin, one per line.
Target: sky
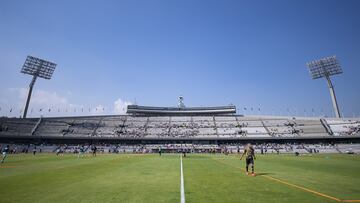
(109, 54)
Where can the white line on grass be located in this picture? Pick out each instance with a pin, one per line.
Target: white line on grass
(182, 191)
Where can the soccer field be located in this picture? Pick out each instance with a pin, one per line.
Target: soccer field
(207, 178)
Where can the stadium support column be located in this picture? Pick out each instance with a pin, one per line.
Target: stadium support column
(29, 95)
(333, 97)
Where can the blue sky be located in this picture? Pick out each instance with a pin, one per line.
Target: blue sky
(248, 53)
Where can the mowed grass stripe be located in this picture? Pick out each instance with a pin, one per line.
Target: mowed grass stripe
(116, 178)
(333, 174)
(61, 174)
(287, 183)
(213, 181)
(301, 169)
(37, 164)
(150, 178)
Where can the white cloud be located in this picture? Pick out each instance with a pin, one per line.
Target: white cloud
(43, 98)
(120, 106)
(43, 103)
(51, 103)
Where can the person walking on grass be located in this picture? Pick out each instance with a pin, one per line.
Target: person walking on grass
(249, 152)
(81, 151)
(34, 150)
(5, 151)
(94, 150)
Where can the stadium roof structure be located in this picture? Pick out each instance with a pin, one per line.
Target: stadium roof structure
(170, 111)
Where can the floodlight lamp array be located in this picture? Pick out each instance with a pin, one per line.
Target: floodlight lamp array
(38, 67)
(324, 67)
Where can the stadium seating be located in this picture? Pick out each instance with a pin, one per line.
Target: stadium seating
(178, 127)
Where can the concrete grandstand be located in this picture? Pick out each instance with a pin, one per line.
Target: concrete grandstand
(192, 128)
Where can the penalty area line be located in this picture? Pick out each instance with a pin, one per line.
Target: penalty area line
(7, 166)
(302, 188)
(182, 190)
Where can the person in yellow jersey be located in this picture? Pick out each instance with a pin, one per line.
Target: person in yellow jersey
(249, 152)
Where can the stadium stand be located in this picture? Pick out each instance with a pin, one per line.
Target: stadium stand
(178, 127)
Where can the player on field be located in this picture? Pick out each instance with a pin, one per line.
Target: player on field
(160, 151)
(58, 151)
(81, 151)
(34, 150)
(5, 151)
(184, 152)
(249, 151)
(94, 149)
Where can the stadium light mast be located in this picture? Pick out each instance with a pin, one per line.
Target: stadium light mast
(37, 68)
(327, 67)
(181, 102)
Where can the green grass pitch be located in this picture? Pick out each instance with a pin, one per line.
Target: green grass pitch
(207, 178)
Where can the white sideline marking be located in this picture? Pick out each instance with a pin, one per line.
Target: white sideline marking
(182, 191)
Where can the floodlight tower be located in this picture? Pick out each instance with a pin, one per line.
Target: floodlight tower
(37, 68)
(181, 102)
(327, 67)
